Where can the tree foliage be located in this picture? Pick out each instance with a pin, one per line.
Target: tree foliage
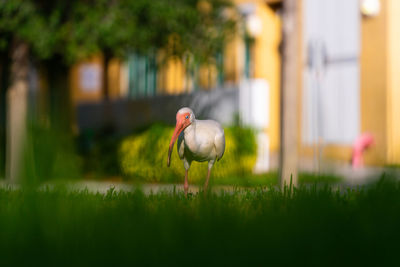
(77, 28)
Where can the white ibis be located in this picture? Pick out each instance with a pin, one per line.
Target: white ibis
(202, 140)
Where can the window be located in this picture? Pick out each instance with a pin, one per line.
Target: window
(142, 75)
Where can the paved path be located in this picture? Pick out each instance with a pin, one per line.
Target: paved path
(352, 178)
(103, 187)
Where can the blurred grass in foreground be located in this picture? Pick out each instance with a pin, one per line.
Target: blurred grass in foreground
(306, 226)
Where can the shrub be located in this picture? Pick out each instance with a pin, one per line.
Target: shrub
(99, 152)
(143, 156)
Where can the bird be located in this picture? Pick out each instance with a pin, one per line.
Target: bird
(198, 140)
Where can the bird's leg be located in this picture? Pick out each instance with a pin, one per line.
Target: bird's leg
(208, 178)
(186, 164)
(186, 184)
(210, 164)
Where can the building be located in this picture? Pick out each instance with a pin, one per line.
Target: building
(347, 77)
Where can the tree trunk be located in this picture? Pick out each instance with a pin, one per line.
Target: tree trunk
(4, 81)
(289, 96)
(108, 123)
(17, 102)
(106, 63)
(59, 94)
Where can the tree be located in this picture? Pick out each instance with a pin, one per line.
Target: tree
(16, 97)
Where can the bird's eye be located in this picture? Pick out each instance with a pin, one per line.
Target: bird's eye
(187, 117)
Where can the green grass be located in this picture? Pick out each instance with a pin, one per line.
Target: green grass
(267, 179)
(311, 226)
(271, 178)
(393, 166)
(254, 180)
(246, 180)
(310, 178)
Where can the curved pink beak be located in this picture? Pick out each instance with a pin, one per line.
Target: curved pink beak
(180, 125)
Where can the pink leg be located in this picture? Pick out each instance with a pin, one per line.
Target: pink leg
(208, 178)
(186, 184)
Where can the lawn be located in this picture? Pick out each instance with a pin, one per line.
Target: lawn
(310, 225)
(271, 179)
(245, 180)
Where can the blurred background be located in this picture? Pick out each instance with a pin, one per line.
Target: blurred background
(89, 89)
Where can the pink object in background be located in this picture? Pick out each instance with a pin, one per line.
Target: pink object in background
(363, 142)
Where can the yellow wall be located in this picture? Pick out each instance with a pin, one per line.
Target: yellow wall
(234, 59)
(381, 82)
(171, 77)
(267, 65)
(114, 82)
(393, 96)
(374, 83)
(208, 76)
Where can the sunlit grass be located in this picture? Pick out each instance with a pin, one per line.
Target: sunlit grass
(310, 225)
(256, 180)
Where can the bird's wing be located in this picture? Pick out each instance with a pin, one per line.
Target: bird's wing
(181, 146)
(219, 143)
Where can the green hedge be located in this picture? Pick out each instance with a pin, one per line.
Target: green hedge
(143, 156)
